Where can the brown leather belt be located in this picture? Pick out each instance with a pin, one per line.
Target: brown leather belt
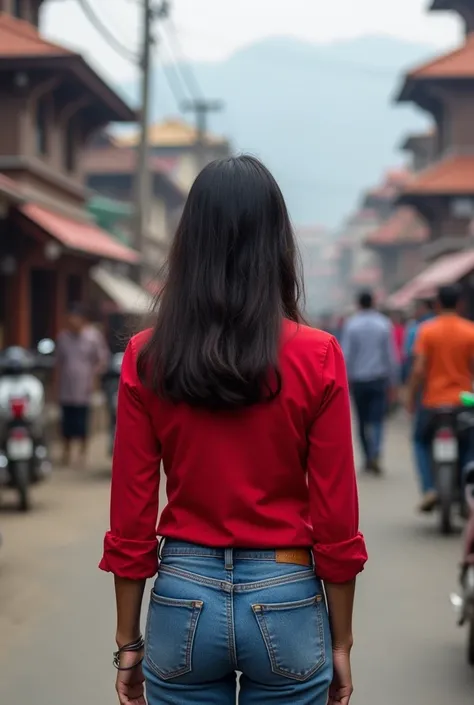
(297, 556)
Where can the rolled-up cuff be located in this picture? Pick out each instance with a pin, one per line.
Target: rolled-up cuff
(135, 560)
(340, 562)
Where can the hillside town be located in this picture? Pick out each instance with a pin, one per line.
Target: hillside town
(93, 187)
(412, 232)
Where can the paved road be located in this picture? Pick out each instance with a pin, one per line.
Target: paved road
(56, 609)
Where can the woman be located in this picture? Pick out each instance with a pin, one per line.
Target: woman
(249, 412)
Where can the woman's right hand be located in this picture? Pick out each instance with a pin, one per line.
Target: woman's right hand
(341, 688)
(130, 684)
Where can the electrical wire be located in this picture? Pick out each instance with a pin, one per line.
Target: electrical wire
(183, 65)
(174, 80)
(109, 37)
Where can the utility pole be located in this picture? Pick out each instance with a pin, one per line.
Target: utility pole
(142, 178)
(202, 108)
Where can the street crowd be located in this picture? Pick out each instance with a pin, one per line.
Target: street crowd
(423, 361)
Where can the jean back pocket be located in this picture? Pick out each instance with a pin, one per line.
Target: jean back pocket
(170, 632)
(293, 633)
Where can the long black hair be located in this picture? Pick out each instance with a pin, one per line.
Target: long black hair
(232, 277)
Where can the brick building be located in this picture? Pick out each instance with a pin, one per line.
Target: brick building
(178, 140)
(51, 103)
(399, 235)
(443, 191)
(110, 171)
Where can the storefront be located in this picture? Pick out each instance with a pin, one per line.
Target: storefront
(45, 261)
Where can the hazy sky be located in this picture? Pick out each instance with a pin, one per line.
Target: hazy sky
(212, 29)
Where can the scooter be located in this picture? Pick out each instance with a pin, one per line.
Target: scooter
(110, 383)
(24, 458)
(464, 603)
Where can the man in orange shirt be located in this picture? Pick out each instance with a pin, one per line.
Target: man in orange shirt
(443, 368)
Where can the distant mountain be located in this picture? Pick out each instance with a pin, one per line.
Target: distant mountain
(320, 116)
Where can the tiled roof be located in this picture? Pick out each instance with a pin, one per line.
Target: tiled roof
(451, 176)
(81, 236)
(20, 38)
(116, 160)
(21, 41)
(170, 133)
(402, 227)
(455, 64)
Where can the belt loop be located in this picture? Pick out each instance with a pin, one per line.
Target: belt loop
(160, 549)
(229, 558)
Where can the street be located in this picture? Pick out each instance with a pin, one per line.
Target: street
(57, 610)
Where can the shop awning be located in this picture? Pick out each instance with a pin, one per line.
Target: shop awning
(446, 270)
(81, 236)
(125, 294)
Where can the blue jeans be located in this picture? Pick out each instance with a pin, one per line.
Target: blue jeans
(370, 399)
(216, 612)
(422, 449)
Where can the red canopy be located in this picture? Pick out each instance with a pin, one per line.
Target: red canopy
(82, 236)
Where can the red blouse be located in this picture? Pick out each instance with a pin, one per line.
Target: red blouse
(275, 475)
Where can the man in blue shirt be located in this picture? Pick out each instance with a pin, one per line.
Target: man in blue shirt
(424, 311)
(372, 369)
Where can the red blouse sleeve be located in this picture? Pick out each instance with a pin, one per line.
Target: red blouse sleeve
(339, 547)
(130, 547)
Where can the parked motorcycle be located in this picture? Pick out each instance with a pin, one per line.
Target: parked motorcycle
(24, 458)
(110, 383)
(464, 602)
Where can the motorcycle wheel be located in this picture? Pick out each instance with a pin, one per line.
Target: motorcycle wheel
(470, 642)
(22, 484)
(446, 498)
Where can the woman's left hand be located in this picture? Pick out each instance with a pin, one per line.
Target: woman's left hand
(130, 684)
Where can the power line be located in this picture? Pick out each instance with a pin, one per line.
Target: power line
(188, 76)
(109, 37)
(174, 80)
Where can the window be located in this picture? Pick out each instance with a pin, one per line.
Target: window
(41, 128)
(69, 148)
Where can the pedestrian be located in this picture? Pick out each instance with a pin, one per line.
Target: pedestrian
(248, 409)
(372, 367)
(398, 331)
(442, 369)
(424, 311)
(82, 355)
